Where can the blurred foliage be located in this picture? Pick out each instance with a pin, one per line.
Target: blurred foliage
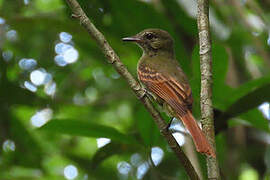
(91, 102)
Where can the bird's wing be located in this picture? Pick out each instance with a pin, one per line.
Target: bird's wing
(176, 94)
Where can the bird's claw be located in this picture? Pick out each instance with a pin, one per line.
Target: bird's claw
(81, 17)
(75, 16)
(143, 94)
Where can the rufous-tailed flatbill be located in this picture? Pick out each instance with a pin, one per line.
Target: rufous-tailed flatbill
(160, 73)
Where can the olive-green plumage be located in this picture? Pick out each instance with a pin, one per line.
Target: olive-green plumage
(160, 73)
(168, 67)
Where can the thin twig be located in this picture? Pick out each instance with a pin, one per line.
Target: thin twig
(135, 86)
(206, 83)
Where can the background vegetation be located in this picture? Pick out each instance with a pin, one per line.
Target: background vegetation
(60, 102)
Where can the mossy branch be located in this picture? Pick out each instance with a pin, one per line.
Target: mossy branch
(206, 83)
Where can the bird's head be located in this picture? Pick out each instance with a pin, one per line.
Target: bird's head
(153, 41)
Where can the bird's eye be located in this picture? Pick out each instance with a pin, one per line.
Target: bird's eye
(149, 36)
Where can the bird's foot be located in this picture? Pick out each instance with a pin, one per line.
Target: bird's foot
(146, 93)
(143, 93)
(75, 16)
(82, 17)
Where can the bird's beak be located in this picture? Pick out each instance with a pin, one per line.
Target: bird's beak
(132, 39)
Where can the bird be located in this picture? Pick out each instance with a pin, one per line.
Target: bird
(161, 75)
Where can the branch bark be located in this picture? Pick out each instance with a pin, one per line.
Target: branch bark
(134, 85)
(206, 83)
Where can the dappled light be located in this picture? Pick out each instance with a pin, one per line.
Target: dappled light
(7, 55)
(256, 22)
(26, 2)
(123, 168)
(27, 64)
(100, 78)
(50, 88)
(12, 35)
(2, 20)
(66, 53)
(180, 138)
(268, 39)
(249, 174)
(265, 109)
(91, 94)
(8, 145)
(140, 166)
(177, 125)
(41, 117)
(65, 37)
(115, 75)
(136, 159)
(142, 170)
(179, 131)
(70, 172)
(101, 10)
(157, 155)
(101, 142)
(61, 48)
(70, 55)
(38, 77)
(30, 86)
(60, 61)
(79, 99)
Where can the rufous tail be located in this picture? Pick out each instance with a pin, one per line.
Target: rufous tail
(200, 141)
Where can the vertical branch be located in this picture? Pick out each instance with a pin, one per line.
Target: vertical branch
(206, 83)
(113, 58)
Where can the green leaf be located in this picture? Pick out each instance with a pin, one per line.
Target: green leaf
(48, 5)
(147, 127)
(253, 94)
(256, 119)
(87, 129)
(249, 87)
(111, 149)
(249, 101)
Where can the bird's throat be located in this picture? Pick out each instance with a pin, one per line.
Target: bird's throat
(159, 53)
